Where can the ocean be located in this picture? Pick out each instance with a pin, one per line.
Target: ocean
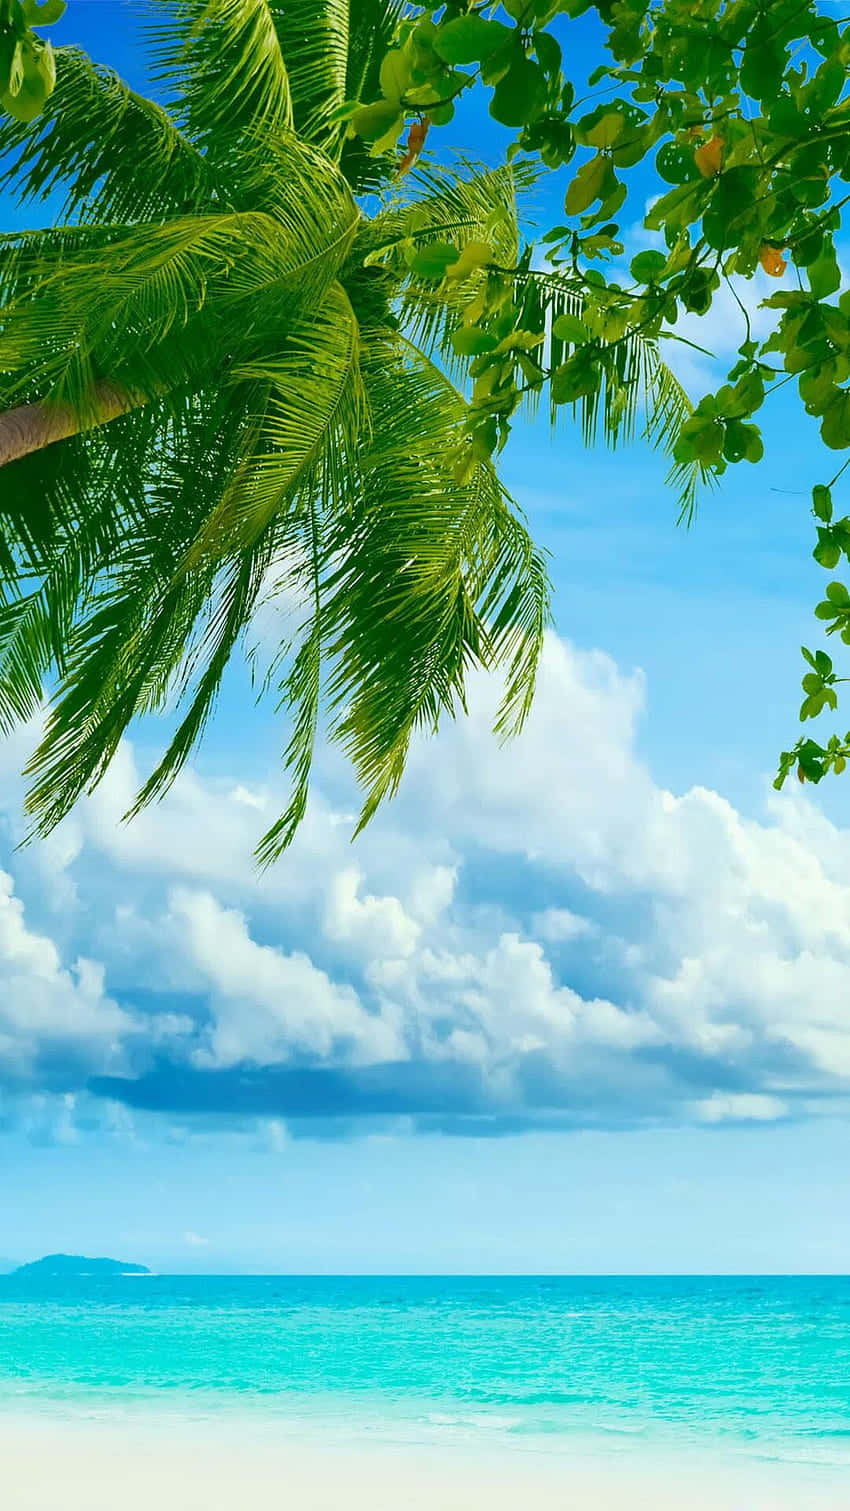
(754, 1366)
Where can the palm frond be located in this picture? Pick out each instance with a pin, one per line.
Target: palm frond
(300, 692)
(638, 393)
(435, 577)
(64, 513)
(333, 51)
(115, 155)
(456, 204)
(164, 304)
(222, 65)
(313, 426)
(134, 630)
(315, 41)
(232, 606)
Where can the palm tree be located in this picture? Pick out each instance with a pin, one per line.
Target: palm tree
(221, 382)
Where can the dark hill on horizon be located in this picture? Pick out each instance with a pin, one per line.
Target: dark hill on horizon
(78, 1264)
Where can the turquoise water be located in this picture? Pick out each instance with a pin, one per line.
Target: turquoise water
(763, 1364)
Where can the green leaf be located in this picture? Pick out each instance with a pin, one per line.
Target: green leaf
(395, 74)
(471, 341)
(812, 706)
(468, 39)
(743, 442)
(569, 328)
(548, 50)
(827, 552)
(824, 274)
(647, 267)
(822, 502)
(475, 254)
(574, 380)
(835, 426)
(587, 185)
(433, 260)
(44, 14)
(676, 163)
(605, 131)
(838, 594)
(372, 122)
(519, 97)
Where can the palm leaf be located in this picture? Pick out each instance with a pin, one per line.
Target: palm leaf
(638, 391)
(115, 155)
(434, 577)
(222, 65)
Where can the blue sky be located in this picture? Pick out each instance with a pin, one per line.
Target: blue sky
(580, 1004)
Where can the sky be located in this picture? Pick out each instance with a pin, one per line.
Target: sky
(577, 1004)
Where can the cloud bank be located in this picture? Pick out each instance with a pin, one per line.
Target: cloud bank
(531, 936)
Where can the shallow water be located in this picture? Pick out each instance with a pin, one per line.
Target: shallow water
(757, 1366)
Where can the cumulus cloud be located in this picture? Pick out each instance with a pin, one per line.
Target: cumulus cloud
(267, 1006)
(531, 935)
(50, 1014)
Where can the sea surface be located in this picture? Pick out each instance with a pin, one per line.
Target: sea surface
(754, 1366)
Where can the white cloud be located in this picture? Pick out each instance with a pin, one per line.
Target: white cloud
(720, 991)
(559, 925)
(267, 1006)
(374, 926)
(45, 1006)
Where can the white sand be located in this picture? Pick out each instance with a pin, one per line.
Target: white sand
(235, 1464)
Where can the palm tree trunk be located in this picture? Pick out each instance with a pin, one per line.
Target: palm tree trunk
(31, 427)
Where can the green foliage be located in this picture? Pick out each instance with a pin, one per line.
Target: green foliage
(285, 440)
(27, 63)
(315, 395)
(742, 108)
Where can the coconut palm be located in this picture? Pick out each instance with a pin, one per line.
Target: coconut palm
(221, 384)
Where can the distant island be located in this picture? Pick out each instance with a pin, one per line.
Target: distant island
(78, 1264)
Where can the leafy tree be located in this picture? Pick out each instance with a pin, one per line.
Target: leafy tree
(222, 381)
(733, 119)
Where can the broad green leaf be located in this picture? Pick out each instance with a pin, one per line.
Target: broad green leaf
(45, 13)
(587, 185)
(468, 39)
(434, 260)
(519, 97)
(835, 426)
(372, 122)
(569, 328)
(475, 254)
(605, 131)
(395, 74)
(646, 267)
(822, 502)
(743, 442)
(548, 50)
(471, 341)
(676, 163)
(827, 552)
(824, 274)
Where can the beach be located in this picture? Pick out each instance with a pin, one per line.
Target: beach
(255, 1393)
(47, 1464)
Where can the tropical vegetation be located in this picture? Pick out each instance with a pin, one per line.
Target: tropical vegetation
(228, 400)
(731, 119)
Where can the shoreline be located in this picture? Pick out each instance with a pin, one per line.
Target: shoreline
(159, 1461)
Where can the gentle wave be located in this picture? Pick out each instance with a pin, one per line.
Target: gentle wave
(760, 1364)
